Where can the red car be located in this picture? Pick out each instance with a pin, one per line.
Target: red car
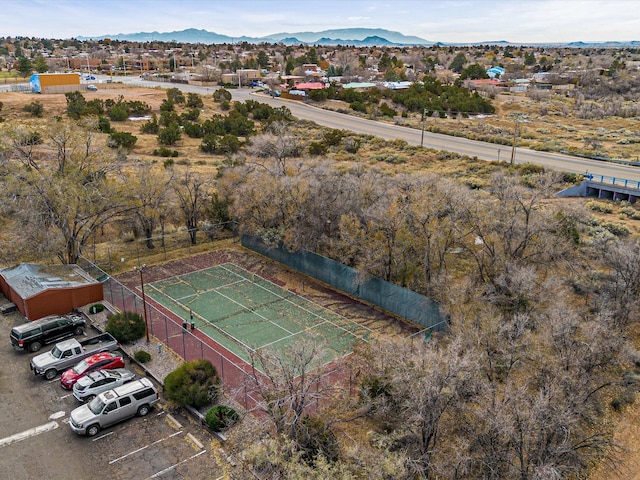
(98, 361)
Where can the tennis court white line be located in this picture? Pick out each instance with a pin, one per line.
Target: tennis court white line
(300, 306)
(201, 292)
(248, 278)
(254, 312)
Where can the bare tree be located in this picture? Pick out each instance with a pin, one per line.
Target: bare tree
(65, 193)
(149, 189)
(192, 191)
(290, 383)
(277, 143)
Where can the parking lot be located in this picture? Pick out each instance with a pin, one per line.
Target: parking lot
(37, 442)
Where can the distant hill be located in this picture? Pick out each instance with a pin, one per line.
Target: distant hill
(343, 36)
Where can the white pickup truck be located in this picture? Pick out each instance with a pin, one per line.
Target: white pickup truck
(67, 353)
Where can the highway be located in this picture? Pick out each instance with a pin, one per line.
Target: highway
(463, 146)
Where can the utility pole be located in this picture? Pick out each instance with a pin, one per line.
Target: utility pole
(516, 131)
(424, 120)
(144, 300)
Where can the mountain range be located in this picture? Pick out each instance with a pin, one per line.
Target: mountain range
(359, 37)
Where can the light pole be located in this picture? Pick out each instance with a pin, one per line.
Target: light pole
(144, 299)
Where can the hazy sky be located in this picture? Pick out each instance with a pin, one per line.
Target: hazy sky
(521, 21)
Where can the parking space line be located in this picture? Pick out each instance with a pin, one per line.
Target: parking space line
(162, 472)
(143, 448)
(32, 432)
(102, 436)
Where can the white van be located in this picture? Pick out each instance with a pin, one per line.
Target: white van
(113, 406)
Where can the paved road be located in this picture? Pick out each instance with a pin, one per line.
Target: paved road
(482, 150)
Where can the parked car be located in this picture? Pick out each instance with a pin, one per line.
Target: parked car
(32, 336)
(113, 406)
(98, 361)
(92, 87)
(87, 387)
(69, 352)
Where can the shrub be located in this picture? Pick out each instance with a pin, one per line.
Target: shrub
(221, 95)
(151, 126)
(34, 108)
(122, 139)
(387, 111)
(358, 107)
(194, 100)
(126, 326)
(104, 125)
(317, 148)
(165, 152)
(118, 113)
(221, 417)
(618, 229)
(352, 145)
(627, 397)
(602, 207)
(333, 137)
(169, 135)
(96, 308)
(316, 438)
(194, 383)
(142, 356)
(190, 115)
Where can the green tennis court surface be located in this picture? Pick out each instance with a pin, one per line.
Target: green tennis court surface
(243, 311)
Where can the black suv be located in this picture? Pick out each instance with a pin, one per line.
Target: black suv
(31, 336)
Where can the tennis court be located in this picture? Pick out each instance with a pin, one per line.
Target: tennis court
(243, 311)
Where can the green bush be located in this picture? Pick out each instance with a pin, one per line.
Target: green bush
(141, 356)
(333, 137)
(221, 95)
(35, 108)
(121, 139)
(104, 125)
(221, 417)
(317, 148)
(169, 135)
(152, 126)
(194, 383)
(118, 113)
(96, 308)
(358, 107)
(165, 152)
(126, 326)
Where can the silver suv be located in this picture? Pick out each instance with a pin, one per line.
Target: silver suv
(113, 406)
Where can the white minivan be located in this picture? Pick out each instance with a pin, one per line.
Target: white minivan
(113, 406)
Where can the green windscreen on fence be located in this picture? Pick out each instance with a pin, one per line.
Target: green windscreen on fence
(398, 300)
